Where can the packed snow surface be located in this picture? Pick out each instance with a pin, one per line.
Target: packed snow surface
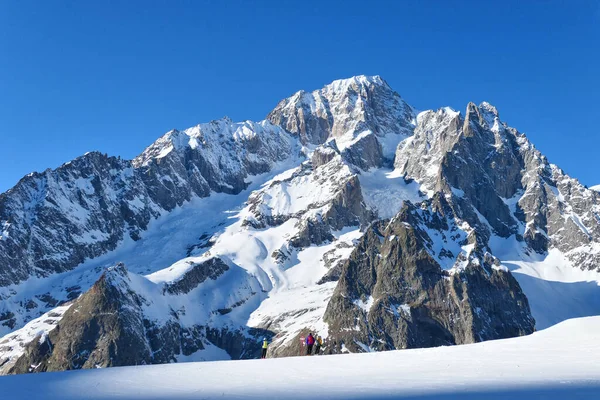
(557, 363)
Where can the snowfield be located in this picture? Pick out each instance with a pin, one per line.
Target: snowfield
(557, 363)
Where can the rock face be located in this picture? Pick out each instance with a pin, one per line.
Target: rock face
(502, 183)
(112, 325)
(322, 197)
(393, 294)
(348, 110)
(103, 328)
(370, 225)
(198, 273)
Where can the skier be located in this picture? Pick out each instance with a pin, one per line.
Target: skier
(310, 341)
(319, 345)
(264, 348)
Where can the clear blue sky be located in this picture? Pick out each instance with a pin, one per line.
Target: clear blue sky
(113, 76)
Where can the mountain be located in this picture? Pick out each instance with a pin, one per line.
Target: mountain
(345, 213)
(53, 221)
(502, 183)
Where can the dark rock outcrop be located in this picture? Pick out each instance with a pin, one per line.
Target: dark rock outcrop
(107, 327)
(198, 273)
(103, 328)
(392, 294)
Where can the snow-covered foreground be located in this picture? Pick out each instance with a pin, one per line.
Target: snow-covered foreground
(558, 363)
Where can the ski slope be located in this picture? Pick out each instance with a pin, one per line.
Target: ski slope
(558, 363)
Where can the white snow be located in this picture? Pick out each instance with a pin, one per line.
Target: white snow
(365, 305)
(303, 191)
(350, 138)
(385, 191)
(234, 289)
(209, 353)
(164, 152)
(558, 363)
(341, 85)
(405, 308)
(293, 292)
(4, 234)
(556, 289)
(596, 188)
(389, 143)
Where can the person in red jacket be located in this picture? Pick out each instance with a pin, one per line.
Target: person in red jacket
(310, 341)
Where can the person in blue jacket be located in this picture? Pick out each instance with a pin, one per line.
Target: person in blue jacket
(310, 342)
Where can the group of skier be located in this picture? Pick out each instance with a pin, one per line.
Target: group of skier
(309, 342)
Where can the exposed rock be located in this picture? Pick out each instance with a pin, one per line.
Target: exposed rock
(345, 110)
(323, 154)
(103, 328)
(365, 152)
(198, 273)
(107, 326)
(392, 294)
(7, 318)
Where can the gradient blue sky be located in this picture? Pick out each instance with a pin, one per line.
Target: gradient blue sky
(113, 76)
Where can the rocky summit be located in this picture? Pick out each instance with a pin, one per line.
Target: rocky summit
(345, 213)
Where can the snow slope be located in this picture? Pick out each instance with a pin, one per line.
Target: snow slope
(596, 188)
(556, 289)
(557, 363)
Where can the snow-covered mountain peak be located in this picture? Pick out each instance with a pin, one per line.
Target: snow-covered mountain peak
(596, 188)
(490, 116)
(115, 274)
(341, 85)
(480, 157)
(436, 117)
(361, 110)
(485, 115)
(489, 108)
(221, 137)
